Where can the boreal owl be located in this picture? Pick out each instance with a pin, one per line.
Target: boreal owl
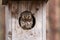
(26, 20)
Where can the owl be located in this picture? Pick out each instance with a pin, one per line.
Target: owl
(26, 20)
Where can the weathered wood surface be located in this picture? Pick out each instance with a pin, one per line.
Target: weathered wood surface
(17, 33)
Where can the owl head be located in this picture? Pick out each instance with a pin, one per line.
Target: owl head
(26, 15)
(26, 20)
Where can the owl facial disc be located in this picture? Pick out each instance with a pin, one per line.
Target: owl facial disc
(26, 20)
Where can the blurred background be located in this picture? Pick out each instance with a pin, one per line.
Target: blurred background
(53, 20)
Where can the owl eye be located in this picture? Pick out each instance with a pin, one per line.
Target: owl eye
(23, 16)
(29, 16)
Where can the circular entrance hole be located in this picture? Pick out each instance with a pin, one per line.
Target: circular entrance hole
(26, 20)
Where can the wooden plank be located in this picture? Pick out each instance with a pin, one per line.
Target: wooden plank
(37, 33)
